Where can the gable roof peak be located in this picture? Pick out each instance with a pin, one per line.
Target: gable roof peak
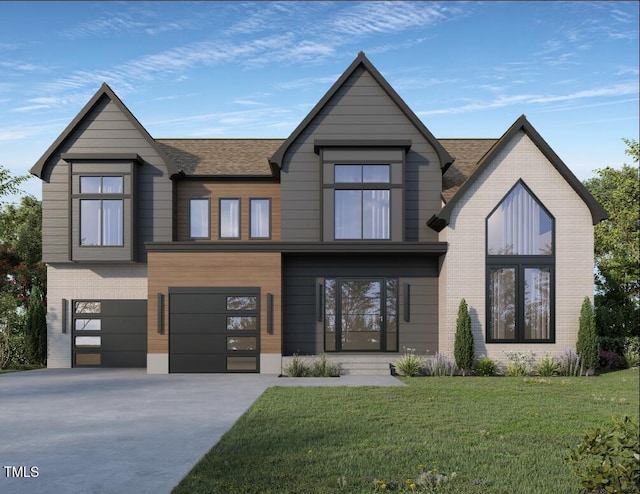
(104, 91)
(445, 158)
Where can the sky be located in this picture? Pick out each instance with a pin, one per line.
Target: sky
(255, 69)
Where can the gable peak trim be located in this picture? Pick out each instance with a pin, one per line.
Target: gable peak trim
(438, 221)
(104, 91)
(361, 60)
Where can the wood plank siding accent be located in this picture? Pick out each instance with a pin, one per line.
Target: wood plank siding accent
(360, 109)
(221, 190)
(215, 269)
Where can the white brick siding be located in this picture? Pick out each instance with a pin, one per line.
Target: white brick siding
(463, 273)
(85, 282)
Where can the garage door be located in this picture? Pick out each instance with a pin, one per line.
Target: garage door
(109, 333)
(214, 329)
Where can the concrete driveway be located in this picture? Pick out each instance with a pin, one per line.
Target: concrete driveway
(121, 430)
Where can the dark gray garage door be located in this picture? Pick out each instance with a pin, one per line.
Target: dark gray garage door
(214, 329)
(109, 333)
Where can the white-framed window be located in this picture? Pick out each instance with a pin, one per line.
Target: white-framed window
(101, 211)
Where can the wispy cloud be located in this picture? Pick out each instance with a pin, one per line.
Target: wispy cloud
(617, 90)
(104, 26)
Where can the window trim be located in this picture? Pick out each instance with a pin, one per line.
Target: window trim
(208, 235)
(520, 263)
(269, 214)
(239, 201)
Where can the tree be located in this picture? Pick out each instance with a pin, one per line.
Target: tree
(617, 254)
(463, 346)
(587, 344)
(36, 327)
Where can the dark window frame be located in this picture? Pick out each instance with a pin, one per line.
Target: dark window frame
(361, 186)
(269, 216)
(520, 263)
(101, 196)
(239, 201)
(208, 235)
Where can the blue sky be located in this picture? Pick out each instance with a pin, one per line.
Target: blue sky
(236, 69)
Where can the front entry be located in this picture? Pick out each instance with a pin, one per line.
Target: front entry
(361, 314)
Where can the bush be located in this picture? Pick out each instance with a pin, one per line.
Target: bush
(297, 368)
(631, 351)
(547, 367)
(519, 364)
(325, 368)
(610, 360)
(463, 345)
(608, 459)
(486, 367)
(587, 344)
(409, 365)
(440, 365)
(612, 343)
(570, 364)
(15, 352)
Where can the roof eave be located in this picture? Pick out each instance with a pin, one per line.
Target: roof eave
(441, 219)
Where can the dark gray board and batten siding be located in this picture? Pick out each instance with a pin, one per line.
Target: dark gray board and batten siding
(359, 110)
(106, 129)
(303, 334)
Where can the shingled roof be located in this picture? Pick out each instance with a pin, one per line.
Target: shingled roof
(221, 157)
(467, 154)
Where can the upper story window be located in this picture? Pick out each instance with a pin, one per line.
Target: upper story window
(199, 218)
(260, 218)
(362, 202)
(520, 270)
(519, 226)
(229, 218)
(101, 211)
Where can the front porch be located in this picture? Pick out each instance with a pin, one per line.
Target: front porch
(354, 364)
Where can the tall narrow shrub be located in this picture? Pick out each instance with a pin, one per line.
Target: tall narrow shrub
(36, 327)
(463, 346)
(587, 344)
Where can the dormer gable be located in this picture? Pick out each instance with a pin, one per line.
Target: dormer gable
(85, 121)
(362, 63)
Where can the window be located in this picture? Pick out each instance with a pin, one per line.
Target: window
(229, 218)
(199, 218)
(361, 202)
(260, 218)
(520, 270)
(101, 218)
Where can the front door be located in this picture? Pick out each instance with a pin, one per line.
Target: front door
(361, 314)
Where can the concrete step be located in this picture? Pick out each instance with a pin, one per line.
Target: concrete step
(350, 364)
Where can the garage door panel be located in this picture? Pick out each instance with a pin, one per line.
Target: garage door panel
(123, 359)
(197, 323)
(197, 303)
(208, 333)
(109, 333)
(124, 342)
(194, 362)
(199, 343)
(124, 324)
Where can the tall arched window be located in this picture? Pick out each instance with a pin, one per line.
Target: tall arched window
(520, 270)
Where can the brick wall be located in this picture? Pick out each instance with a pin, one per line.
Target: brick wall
(463, 274)
(85, 282)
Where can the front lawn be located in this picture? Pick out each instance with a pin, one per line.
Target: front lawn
(498, 434)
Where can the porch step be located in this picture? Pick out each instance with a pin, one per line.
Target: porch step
(354, 364)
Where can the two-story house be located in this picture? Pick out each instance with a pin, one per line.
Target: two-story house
(358, 234)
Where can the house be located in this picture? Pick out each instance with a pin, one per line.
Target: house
(358, 234)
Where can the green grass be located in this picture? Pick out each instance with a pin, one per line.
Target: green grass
(498, 434)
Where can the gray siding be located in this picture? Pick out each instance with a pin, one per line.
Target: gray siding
(105, 129)
(360, 109)
(303, 334)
